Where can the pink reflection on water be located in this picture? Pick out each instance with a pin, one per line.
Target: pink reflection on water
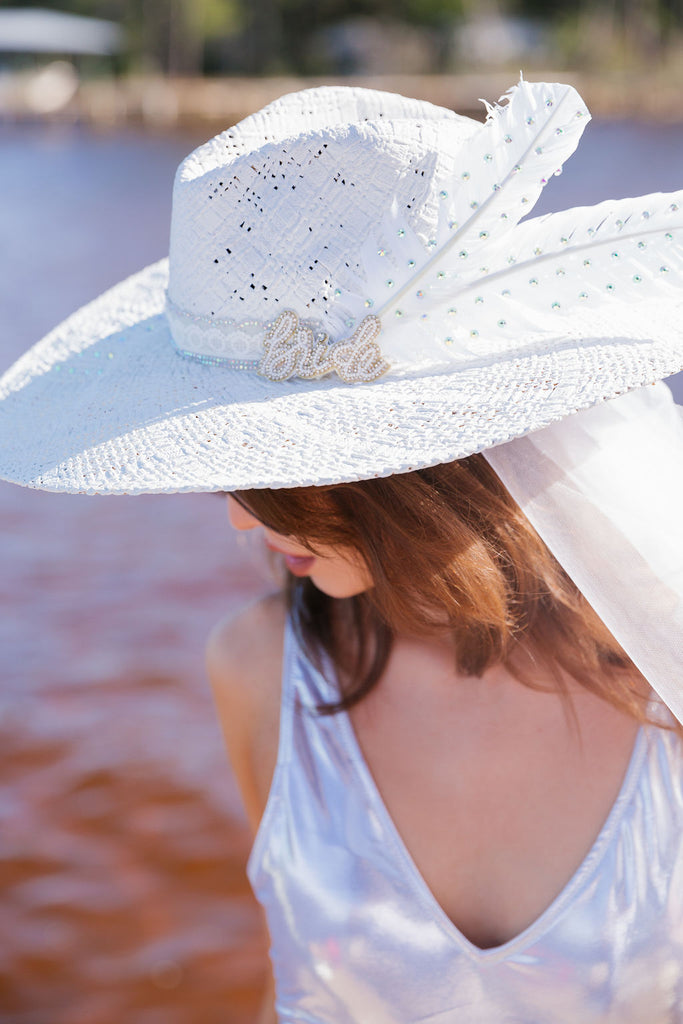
(124, 845)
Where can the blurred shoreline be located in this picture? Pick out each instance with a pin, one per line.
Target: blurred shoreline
(54, 94)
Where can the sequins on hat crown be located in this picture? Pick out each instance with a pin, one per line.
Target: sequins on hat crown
(258, 227)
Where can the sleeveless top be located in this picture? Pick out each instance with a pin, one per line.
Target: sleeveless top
(358, 938)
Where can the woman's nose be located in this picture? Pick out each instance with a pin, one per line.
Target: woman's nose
(240, 517)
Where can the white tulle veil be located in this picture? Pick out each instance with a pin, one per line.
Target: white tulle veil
(604, 489)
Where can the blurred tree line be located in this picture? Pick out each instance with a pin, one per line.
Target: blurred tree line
(189, 37)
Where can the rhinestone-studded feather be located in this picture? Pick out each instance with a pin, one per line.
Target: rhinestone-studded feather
(501, 173)
(484, 281)
(625, 251)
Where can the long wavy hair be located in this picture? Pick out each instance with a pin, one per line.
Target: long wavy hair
(449, 552)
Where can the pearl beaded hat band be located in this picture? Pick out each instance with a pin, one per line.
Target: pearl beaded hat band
(350, 293)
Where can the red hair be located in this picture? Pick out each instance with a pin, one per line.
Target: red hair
(449, 551)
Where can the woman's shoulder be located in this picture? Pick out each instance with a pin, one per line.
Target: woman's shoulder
(244, 665)
(244, 643)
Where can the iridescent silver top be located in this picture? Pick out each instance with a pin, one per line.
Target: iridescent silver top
(358, 938)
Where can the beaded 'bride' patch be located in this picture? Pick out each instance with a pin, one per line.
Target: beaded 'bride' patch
(292, 350)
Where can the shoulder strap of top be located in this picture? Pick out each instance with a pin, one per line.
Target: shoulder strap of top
(288, 703)
(303, 687)
(288, 692)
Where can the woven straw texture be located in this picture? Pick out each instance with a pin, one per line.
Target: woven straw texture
(126, 414)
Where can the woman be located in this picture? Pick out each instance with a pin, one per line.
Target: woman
(471, 856)
(467, 801)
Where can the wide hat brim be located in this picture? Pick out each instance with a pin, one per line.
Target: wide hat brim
(107, 405)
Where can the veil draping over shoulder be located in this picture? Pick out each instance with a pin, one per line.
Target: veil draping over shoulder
(604, 489)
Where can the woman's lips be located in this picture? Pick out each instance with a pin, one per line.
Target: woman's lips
(298, 565)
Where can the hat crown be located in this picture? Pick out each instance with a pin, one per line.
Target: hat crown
(275, 213)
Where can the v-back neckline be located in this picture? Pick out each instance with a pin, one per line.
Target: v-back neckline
(544, 920)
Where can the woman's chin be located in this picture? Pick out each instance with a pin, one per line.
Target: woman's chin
(338, 588)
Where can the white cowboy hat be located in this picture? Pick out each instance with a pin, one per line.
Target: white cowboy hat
(349, 294)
